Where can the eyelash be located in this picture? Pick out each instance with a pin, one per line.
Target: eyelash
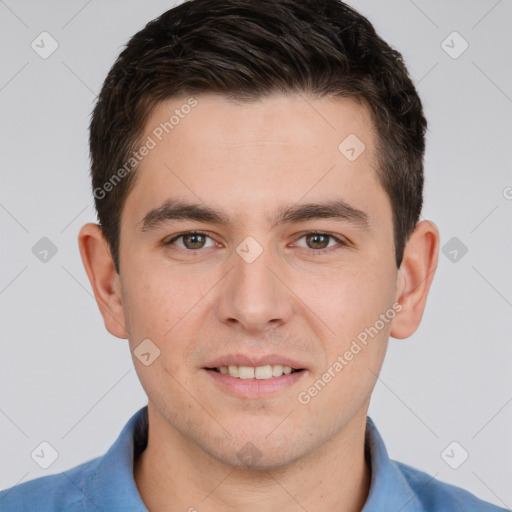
(170, 242)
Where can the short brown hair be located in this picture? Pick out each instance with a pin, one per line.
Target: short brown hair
(247, 49)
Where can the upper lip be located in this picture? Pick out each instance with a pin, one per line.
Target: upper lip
(254, 360)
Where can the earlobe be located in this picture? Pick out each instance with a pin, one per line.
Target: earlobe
(415, 278)
(103, 277)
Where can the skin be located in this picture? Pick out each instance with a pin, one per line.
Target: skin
(248, 159)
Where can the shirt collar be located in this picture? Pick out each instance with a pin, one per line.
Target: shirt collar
(111, 483)
(388, 487)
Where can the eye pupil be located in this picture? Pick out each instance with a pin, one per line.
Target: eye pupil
(195, 245)
(316, 236)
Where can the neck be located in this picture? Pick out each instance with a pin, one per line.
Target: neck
(173, 474)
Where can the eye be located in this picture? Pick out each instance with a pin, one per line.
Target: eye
(319, 241)
(192, 240)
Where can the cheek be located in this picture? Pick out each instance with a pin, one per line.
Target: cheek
(156, 303)
(349, 299)
(355, 344)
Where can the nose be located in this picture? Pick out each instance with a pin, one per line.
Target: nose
(254, 297)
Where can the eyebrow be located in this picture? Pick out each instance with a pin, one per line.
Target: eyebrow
(179, 210)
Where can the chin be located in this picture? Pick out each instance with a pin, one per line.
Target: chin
(254, 452)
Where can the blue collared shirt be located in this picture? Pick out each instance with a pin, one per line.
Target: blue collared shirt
(106, 483)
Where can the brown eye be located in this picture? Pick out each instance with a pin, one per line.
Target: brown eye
(320, 242)
(192, 241)
(317, 241)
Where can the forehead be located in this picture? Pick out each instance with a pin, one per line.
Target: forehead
(249, 156)
(216, 122)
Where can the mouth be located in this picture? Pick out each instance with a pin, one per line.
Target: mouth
(265, 372)
(255, 382)
(255, 376)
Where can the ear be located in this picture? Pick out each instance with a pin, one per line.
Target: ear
(415, 277)
(103, 277)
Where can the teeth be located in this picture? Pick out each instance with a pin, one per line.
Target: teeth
(277, 370)
(258, 372)
(263, 372)
(246, 372)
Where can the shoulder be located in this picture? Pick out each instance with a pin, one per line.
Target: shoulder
(61, 491)
(437, 496)
(103, 483)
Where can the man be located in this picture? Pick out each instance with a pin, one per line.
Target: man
(258, 172)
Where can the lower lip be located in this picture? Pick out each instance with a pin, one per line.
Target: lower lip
(255, 388)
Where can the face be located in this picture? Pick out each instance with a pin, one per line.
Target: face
(258, 286)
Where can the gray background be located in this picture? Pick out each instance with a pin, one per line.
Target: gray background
(67, 381)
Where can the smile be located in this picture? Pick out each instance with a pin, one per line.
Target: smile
(255, 382)
(255, 372)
